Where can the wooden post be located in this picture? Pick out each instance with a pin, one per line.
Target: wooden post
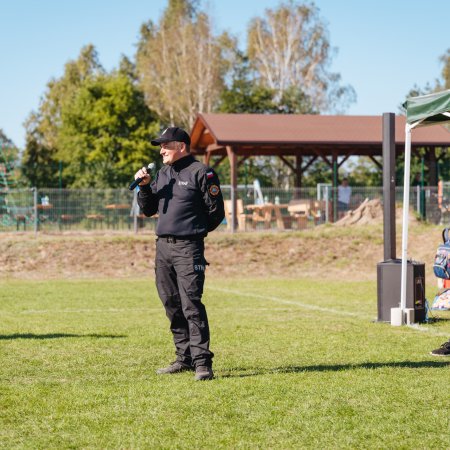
(335, 185)
(206, 158)
(432, 165)
(298, 174)
(233, 181)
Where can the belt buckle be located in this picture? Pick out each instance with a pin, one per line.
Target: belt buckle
(171, 240)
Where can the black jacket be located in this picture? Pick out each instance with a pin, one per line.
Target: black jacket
(187, 198)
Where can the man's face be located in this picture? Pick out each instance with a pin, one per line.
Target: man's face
(172, 151)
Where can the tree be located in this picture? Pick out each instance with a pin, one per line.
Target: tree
(61, 92)
(39, 163)
(96, 125)
(288, 48)
(181, 65)
(9, 162)
(243, 95)
(105, 132)
(285, 72)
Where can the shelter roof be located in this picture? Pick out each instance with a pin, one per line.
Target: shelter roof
(304, 134)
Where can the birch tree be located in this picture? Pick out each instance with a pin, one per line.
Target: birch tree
(181, 64)
(289, 49)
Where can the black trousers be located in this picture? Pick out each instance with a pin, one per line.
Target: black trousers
(180, 276)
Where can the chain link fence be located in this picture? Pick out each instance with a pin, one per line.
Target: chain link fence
(57, 210)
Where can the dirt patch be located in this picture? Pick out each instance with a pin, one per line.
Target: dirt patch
(327, 252)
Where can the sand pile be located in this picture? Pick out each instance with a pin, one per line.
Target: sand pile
(371, 212)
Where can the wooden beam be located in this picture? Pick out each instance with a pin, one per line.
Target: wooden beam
(377, 163)
(287, 162)
(335, 170)
(242, 160)
(443, 153)
(217, 162)
(339, 164)
(432, 167)
(308, 164)
(330, 163)
(298, 174)
(214, 147)
(233, 181)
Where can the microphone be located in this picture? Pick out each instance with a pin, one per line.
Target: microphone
(151, 166)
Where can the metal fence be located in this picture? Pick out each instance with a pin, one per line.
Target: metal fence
(57, 210)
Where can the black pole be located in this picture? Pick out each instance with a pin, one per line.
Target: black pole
(389, 185)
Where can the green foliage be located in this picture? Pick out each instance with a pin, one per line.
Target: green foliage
(39, 163)
(299, 364)
(318, 172)
(249, 170)
(245, 95)
(9, 162)
(61, 92)
(105, 133)
(93, 124)
(362, 171)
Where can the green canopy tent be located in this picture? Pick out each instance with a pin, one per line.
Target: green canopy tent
(421, 111)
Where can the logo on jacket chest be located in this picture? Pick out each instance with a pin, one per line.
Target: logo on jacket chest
(183, 183)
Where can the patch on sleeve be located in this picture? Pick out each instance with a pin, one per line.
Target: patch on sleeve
(209, 174)
(214, 190)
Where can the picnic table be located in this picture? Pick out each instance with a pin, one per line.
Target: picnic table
(266, 212)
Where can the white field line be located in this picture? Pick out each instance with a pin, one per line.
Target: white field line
(339, 312)
(332, 311)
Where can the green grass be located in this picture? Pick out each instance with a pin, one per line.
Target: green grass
(299, 364)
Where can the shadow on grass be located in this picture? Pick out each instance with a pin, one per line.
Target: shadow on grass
(7, 337)
(434, 319)
(242, 372)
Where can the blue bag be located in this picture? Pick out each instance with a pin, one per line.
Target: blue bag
(441, 266)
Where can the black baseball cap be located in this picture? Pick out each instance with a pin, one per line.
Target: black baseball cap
(172, 134)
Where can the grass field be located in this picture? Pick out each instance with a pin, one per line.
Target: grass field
(299, 364)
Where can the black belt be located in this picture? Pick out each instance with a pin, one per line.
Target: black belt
(175, 239)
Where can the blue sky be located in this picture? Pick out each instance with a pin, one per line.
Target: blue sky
(384, 47)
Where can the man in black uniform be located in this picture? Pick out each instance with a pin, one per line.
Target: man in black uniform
(187, 197)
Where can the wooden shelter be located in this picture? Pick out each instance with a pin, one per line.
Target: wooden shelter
(306, 137)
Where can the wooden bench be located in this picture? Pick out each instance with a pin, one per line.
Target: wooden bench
(300, 210)
(242, 217)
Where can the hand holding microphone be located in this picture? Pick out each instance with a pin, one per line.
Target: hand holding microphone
(141, 175)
